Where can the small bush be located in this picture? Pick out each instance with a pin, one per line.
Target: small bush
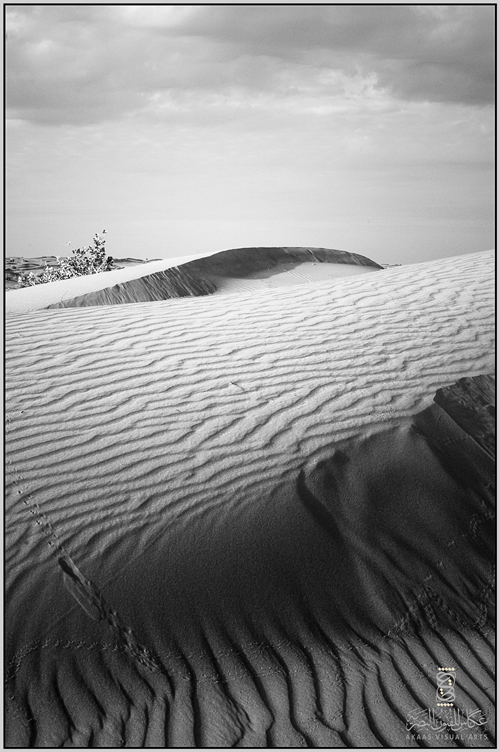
(90, 259)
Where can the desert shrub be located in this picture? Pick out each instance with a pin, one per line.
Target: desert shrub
(90, 259)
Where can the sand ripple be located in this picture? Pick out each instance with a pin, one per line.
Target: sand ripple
(185, 459)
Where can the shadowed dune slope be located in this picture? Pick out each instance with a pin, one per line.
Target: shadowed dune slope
(176, 282)
(249, 525)
(239, 262)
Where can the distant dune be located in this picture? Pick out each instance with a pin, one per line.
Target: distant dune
(17, 265)
(237, 270)
(260, 519)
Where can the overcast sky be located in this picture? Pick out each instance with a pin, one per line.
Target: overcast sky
(186, 129)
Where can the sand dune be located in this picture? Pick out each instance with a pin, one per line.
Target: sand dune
(236, 270)
(239, 525)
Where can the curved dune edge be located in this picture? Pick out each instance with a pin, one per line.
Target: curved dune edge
(184, 563)
(176, 282)
(173, 278)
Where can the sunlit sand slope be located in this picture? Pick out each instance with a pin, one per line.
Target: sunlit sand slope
(222, 528)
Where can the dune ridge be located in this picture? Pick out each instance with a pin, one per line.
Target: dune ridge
(242, 261)
(170, 278)
(196, 461)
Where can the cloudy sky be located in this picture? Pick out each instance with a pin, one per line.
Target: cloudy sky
(185, 129)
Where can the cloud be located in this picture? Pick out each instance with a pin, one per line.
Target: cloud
(88, 64)
(435, 53)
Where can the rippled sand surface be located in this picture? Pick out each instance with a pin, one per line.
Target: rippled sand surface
(227, 522)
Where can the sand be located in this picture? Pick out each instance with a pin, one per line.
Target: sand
(236, 270)
(41, 296)
(227, 523)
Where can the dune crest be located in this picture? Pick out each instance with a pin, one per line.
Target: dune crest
(173, 278)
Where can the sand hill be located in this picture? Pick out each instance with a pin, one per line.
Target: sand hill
(254, 519)
(236, 270)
